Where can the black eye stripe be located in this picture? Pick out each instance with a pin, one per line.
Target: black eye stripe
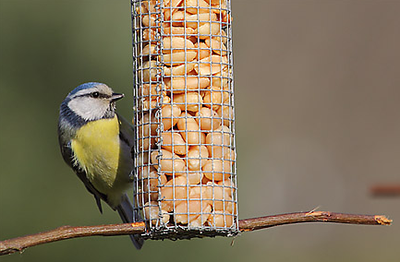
(100, 95)
(104, 96)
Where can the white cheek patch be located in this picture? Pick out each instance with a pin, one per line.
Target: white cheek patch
(88, 108)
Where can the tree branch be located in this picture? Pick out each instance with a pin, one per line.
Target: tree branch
(385, 190)
(66, 232)
(312, 216)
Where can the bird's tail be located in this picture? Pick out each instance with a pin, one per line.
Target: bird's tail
(125, 211)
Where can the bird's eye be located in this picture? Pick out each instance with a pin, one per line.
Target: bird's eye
(95, 94)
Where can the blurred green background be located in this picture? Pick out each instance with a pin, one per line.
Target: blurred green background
(317, 95)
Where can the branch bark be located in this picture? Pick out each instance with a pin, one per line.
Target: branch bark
(312, 216)
(385, 190)
(66, 232)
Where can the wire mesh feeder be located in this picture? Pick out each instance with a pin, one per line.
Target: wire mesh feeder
(185, 158)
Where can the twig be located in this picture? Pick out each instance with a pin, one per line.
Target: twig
(67, 232)
(385, 190)
(312, 216)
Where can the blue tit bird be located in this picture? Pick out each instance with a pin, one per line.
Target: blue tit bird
(97, 144)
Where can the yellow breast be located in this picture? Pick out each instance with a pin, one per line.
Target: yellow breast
(96, 149)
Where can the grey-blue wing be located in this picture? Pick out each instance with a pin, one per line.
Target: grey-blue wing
(126, 132)
(126, 210)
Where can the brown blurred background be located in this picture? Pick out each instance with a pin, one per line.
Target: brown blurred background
(317, 95)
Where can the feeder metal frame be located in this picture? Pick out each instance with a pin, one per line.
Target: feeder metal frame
(149, 54)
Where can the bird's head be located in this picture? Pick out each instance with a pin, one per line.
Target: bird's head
(92, 101)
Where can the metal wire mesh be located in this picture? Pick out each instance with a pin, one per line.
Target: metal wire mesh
(185, 158)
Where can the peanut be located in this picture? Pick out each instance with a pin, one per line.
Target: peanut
(149, 49)
(195, 208)
(220, 219)
(149, 71)
(179, 70)
(181, 84)
(217, 170)
(178, 31)
(203, 50)
(146, 103)
(216, 196)
(219, 141)
(202, 218)
(196, 20)
(196, 157)
(208, 29)
(190, 130)
(147, 131)
(171, 7)
(149, 20)
(194, 178)
(228, 186)
(151, 90)
(216, 45)
(169, 162)
(176, 44)
(226, 113)
(169, 116)
(179, 57)
(190, 101)
(149, 35)
(151, 183)
(193, 7)
(208, 119)
(152, 212)
(175, 189)
(211, 65)
(215, 2)
(215, 97)
(173, 142)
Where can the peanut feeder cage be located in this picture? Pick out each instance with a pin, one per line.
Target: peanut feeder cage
(185, 159)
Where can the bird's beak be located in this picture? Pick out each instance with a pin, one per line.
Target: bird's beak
(116, 97)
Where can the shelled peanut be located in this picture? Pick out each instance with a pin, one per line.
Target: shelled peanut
(186, 75)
